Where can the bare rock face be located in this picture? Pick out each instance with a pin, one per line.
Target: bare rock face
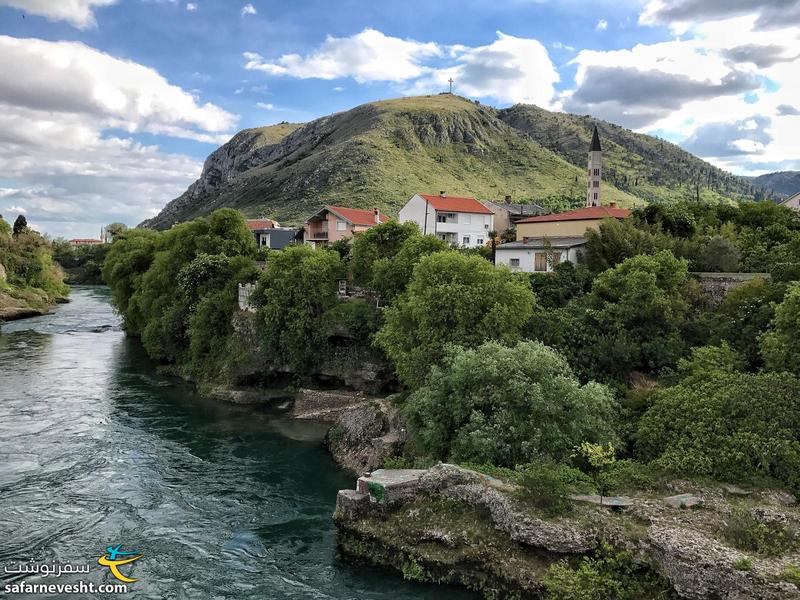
(555, 535)
(365, 436)
(2, 273)
(700, 567)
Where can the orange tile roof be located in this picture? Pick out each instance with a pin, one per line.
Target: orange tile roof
(254, 224)
(456, 204)
(357, 216)
(590, 212)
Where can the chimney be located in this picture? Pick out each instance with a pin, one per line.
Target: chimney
(442, 193)
(377, 215)
(507, 199)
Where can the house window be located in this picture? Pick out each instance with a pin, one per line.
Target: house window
(479, 241)
(465, 240)
(341, 225)
(556, 258)
(540, 261)
(466, 219)
(263, 240)
(513, 263)
(446, 217)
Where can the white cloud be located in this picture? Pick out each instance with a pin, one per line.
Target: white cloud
(73, 77)
(79, 13)
(366, 56)
(602, 25)
(249, 9)
(562, 46)
(268, 106)
(510, 69)
(16, 209)
(338, 88)
(60, 150)
(191, 6)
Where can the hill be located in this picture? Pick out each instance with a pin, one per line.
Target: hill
(645, 166)
(781, 184)
(379, 154)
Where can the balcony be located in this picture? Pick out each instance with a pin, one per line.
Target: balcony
(318, 235)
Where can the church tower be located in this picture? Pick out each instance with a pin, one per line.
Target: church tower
(595, 170)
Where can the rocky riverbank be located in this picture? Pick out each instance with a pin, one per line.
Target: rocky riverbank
(459, 526)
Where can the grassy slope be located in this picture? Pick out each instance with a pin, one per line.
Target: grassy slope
(381, 153)
(664, 171)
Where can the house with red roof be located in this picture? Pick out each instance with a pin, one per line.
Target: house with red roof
(543, 241)
(333, 223)
(570, 223)
(458, 220)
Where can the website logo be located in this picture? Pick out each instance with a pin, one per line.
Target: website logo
(113, 561)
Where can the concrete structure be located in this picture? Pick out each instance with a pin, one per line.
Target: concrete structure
(568, 224)
(719, 285)
(75, 242)
(792, 201)
(507, 213)
(594, 171)
(459, 221)
(386, 486)
(539, 255)
(333, 223)
(269, 234)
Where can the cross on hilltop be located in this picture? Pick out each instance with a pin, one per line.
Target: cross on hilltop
(450, 81)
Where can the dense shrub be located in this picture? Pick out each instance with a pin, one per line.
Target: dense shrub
(609, 575)
(507, 406)
(564, 283)
(27, 258)
(781, 346)
(745, 532)
(723, 423)
(547, 486)
(452, 299)
(392, 274)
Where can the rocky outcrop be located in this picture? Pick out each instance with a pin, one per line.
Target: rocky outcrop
(683, 545)
(364, 436)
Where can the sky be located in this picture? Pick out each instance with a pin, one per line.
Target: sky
(109, 107)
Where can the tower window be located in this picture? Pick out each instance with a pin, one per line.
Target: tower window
(595, 184)
(595, 195)
(597, 171)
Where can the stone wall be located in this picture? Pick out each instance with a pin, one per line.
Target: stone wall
(719, 285)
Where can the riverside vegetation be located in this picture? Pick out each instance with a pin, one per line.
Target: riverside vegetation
(30, 281)
(528, 378)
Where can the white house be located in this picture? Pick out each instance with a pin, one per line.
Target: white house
(792, 201)
(459, 221)
(539, 255)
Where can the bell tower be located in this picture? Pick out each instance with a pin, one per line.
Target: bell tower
(595, 170)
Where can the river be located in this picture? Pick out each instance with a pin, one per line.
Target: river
(98, 449)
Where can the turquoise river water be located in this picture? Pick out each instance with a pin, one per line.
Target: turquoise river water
(97, 449)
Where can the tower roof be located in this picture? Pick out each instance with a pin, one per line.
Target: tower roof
(595, 147)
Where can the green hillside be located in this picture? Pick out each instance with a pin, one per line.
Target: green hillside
(780, 184)
(647, 167)
(379, 154)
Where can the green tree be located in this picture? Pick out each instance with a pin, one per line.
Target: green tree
(507, 406)
(565, 282)
(391, 275)
(615, 241)
(744, 315)
(298, 287)
(719, 256)
(114, 229)
(781, 346)
(20, 224)
(381, 241)
(452, 299)
(5, 228)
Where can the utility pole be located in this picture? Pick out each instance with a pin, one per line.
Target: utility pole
(450, 81)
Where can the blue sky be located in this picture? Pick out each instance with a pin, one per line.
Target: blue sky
(111, 105)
